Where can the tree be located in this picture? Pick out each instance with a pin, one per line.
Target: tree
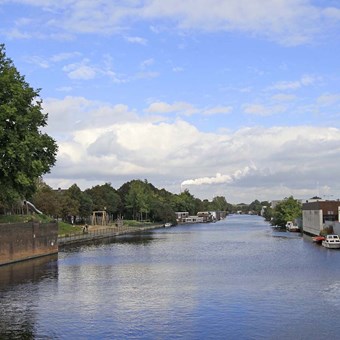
(104, 197)
(83, 199)
(138, 199)
(46, 200)
(25, 152)
(287, 210)
(255, 206)
(185, 202)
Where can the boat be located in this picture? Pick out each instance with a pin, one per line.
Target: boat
(318, 239)
(167, 225)
(332, 242)
(291, 227)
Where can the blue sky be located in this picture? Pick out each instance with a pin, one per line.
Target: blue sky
(222, 97)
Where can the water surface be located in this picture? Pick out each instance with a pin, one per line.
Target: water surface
(234, 279)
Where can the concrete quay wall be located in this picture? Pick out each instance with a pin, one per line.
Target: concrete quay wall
(22, 241)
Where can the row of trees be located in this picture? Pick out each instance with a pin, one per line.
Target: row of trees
(140, 200)
(136, 199)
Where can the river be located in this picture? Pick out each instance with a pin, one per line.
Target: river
(234, 279)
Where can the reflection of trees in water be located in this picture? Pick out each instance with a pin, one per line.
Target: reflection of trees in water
(19, 292)
(142, 238)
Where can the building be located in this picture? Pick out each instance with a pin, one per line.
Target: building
(192, 219)
(181, 215)
(317, 215)
(206, 216)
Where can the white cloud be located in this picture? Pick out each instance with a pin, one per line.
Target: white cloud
(64, 56)
(283, 97)
(136, 40)
(262, 110)
(328, 99)
(41, 62)
(80, 71)
(305, 80)
(111, 143)
(179, 107)
(146, 63)
(218, 110)
(219, 178)
(289, 22)
(177, 69)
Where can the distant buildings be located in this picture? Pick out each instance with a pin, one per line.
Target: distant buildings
(201, 217)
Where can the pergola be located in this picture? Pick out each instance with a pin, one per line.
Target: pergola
(99, 217)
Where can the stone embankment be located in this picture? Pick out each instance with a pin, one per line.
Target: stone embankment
(93, 233)
(23, 241)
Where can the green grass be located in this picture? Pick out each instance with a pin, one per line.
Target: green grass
(63, 228)
(24, 218)
(134, 223)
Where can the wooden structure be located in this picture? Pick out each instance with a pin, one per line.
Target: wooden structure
(99, 218)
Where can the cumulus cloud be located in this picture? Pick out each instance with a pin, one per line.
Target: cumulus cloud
(219, 178)
(112, 143)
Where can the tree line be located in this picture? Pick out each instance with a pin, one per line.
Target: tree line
(142, 201)
(136, 200)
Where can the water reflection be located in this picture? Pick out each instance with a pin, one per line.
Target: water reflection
(29, 271)
(19, 291)
(234, 279)
(133, 239)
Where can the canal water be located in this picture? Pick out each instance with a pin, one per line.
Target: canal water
(234, 279)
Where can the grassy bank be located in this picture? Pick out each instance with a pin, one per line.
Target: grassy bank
(63, 228)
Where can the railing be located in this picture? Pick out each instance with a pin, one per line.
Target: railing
(100, 233)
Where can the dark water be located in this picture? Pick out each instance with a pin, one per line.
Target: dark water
(235, 279)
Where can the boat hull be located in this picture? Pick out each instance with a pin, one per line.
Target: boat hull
(331, 245)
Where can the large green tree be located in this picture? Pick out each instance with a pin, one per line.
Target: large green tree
(105, 197)
(25, 152)
(287, 210)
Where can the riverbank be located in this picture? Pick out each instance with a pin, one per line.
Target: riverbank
(94, 233)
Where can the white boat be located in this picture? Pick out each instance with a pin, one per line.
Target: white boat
(291, 227)
(331, 241)
(167, 225)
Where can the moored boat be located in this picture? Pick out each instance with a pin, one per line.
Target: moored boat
(291, 227)
(332, 242)
(318, 239)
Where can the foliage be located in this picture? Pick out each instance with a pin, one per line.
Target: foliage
(255, 207)
(46, 200)
(25, 152)
(287, 210)
(268, 213)
(85, 203)
(104, 197)
(185, 202)
(138, 199)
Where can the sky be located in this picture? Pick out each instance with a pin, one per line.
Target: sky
(232, 98)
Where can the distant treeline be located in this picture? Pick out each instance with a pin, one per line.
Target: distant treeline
(136, 199)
